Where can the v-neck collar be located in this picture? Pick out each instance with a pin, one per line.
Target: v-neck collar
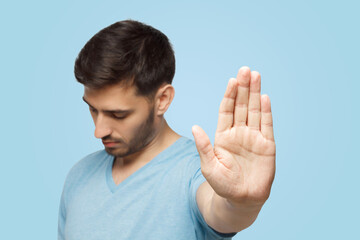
(108, 174)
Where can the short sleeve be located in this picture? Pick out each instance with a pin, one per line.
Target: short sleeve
(201, 227)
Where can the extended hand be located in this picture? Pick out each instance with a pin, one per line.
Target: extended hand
(241, 166)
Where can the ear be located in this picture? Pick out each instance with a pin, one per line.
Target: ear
(163, 98)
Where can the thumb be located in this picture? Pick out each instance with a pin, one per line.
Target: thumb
(204, 147)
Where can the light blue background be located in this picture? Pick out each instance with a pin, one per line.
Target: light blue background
(307, 53)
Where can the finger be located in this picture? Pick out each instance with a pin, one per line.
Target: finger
(254, 115)
(266, 118)
(242, 96)
(226, 110)
(204, 148)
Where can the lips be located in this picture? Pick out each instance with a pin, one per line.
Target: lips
(109, 144)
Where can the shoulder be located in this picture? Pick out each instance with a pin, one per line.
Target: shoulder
(86, 164)
(188, 157)
(90, 160)
(186, 151)
(187, 146)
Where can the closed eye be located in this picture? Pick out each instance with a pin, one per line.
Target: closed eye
(92, 109)
(118, 116)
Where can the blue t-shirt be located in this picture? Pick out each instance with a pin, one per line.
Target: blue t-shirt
(158, 201)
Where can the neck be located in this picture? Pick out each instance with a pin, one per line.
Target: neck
(162, 140)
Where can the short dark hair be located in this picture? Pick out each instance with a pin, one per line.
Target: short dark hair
(130, 52)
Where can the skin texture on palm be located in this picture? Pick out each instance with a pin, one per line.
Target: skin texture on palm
(240, 168)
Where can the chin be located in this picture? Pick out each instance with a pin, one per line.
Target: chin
(116, 152)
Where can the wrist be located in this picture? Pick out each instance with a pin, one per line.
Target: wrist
(248, 206)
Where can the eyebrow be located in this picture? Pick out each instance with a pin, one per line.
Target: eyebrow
(119, 111)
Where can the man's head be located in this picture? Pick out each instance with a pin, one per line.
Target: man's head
(127, 70)
(127, 52)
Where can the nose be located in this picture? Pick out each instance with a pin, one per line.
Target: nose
(102, 128)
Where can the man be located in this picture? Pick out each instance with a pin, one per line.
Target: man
(149, 182)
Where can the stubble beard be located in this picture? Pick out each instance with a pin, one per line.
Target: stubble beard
(142, 137)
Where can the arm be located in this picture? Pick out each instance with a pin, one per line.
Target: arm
(222, 215)
(240, 168)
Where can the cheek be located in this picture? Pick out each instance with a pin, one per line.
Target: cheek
(127, 129)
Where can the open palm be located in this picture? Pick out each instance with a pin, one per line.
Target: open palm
(241, 165)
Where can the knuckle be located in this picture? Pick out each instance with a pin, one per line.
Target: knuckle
(254, 110)
(267, 124)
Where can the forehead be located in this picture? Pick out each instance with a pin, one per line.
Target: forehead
(114, 96)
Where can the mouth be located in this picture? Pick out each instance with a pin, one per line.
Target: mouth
(110, 144)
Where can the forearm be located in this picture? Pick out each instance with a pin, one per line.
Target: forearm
(223, 215)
